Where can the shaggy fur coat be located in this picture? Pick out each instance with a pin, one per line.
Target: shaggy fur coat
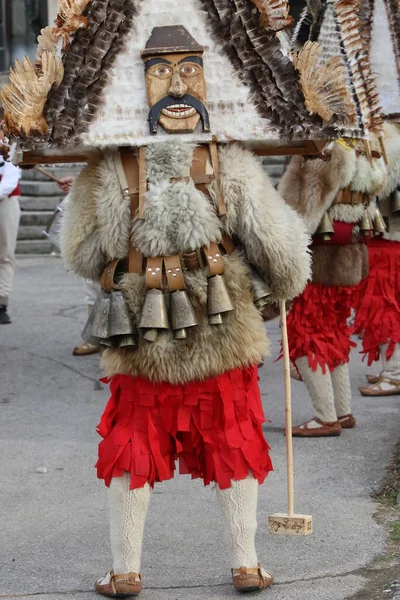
(310, 187)
(178, 217)
(392, 144)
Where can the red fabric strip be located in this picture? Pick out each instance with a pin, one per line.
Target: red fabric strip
(214, 429)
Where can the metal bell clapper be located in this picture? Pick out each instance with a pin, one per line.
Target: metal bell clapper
(261, 290)
(379, 223)
(154, 315)
(96, 327)
(325, 229)
(218, 300)
(395, 201)
(182, 314)
(127, 342)
(366, 224)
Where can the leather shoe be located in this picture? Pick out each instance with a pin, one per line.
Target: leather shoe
(250, 580)
(4, 318)
(317, 428)
(119, 586)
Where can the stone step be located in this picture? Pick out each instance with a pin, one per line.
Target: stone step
(35, 217)
(40, 203)
(34, 247)
(39, 188)
(275, 171)
(31, 232)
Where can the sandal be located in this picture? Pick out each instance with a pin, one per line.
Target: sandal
(317, 428)
(347, 421)
(383, 387)
(85, 349)
(250, 580)
(373, 378)
(119, 586)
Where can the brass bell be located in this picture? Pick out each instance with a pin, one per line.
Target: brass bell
(395, 201)
(96, 327)
(119, 319)
(218, 300)
(182, 314)
(379, 223)
(154, 314)
(325, 229)
(261, 290)
(366, 224)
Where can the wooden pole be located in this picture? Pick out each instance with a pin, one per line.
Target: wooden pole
(288, 410)
(47, 174)
(281, 523)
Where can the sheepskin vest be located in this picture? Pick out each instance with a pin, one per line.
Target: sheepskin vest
(311, 187)
(178, 218)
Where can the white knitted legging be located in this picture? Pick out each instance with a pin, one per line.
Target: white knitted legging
(239, 507)
(391, 367)
(320, 388)
(128, 510)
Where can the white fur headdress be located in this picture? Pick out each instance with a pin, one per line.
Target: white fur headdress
(96, 96)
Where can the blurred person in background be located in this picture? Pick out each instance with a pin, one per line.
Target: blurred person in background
(91, 288)
(9, 223)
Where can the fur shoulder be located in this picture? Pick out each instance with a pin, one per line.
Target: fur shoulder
(80, 244)
(310, 186)
(392, 145)
(274, 237)
(369, 179)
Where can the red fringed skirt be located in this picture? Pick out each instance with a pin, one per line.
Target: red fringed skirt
(378, 312)
(213, 427)
(317, 325)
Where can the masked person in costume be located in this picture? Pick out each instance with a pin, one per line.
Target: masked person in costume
(172, 230)
(336, 198)
(378, 313)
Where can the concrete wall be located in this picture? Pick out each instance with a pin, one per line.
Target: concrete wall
(51, 10)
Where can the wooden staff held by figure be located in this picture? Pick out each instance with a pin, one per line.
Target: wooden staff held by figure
(64, 183)
(281, 523)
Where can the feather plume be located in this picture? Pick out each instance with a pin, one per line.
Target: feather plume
(324, 86)
(349, 16)
(274, 14)
(24, 98)
(47, 41)
(70, 18)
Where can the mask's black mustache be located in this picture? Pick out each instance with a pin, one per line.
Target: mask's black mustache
(187, 99)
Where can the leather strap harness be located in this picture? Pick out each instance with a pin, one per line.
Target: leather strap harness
(346, 196)
(166, 271)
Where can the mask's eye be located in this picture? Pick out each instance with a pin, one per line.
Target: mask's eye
(161, 71)
(189, 70)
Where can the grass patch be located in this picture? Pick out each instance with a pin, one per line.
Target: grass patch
(396, 531)
(391, 484)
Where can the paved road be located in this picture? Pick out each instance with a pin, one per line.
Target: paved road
(54, 532)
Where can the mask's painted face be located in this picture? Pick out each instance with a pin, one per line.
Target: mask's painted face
(176, 92)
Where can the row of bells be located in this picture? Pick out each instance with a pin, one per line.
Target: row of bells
(110, 323)
(367, 226)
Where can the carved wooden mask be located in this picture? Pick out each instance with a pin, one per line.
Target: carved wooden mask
(176, 91)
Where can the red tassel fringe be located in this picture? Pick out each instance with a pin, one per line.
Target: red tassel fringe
(378, 313)
(317, 325)
(213, 427)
